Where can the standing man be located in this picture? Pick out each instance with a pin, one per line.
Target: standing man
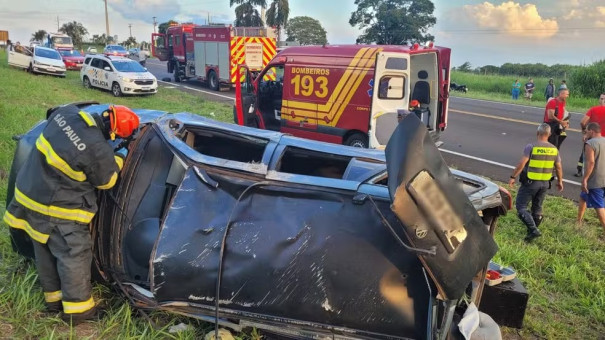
(593, 182)
(55, 200)
(554, 116)
(535, 169)
(529, 88)
(550, 89)
(595, 114)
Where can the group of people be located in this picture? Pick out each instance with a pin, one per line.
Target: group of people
(529, 87)
(541, 159)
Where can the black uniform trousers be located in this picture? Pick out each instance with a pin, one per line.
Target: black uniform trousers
(533, 192)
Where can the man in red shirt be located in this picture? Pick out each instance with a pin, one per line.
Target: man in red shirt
(553, 116)
(595, 114)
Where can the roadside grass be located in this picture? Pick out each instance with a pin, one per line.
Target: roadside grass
(564, 270)
(498, 88)
(24, 99)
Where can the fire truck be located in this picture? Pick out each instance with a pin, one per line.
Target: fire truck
(347, 94)
(211, 53)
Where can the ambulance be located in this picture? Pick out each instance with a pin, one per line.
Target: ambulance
(346, 94)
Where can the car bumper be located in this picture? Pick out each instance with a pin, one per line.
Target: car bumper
(48, 70)
(139, 89)
(76, 67)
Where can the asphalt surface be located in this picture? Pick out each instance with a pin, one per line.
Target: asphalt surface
(483, 137)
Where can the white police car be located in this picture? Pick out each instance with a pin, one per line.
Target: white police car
(118, 74)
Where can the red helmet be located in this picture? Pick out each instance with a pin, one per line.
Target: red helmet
(123, 121)
(414, 103)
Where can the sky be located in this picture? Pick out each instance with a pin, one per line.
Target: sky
(480, 32)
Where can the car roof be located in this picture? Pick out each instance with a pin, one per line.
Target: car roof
(118, 58)
(45, 48)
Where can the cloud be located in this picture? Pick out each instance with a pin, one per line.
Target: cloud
(144, 10)
(512, 18)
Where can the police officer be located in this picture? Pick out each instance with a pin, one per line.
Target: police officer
(55, 200)
(535, 169)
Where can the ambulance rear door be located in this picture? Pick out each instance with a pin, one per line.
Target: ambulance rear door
(390, 92)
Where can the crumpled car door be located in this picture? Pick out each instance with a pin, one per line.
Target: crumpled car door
(435, 211)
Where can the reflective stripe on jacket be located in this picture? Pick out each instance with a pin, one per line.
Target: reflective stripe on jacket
(541, 163)
(57, 182)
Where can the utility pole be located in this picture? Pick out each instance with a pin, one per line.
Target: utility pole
(130, 28)
(154, 24)
(57, 23)
(106, 21)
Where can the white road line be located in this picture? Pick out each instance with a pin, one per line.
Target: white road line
(495, 163)
(198, 90)
(513, 104)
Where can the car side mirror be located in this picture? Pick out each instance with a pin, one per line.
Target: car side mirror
(106, 68)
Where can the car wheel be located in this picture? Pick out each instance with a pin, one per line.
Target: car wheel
(86, 82)
(116, 90)
(177, 72)
(357, 140)
(212, 81)
(30, 69)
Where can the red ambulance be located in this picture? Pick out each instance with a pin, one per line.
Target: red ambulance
(346, 94)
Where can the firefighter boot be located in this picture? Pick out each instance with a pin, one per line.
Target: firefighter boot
(54, 307)
(77, 318)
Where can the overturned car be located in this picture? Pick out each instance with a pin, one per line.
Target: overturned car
(246, 227)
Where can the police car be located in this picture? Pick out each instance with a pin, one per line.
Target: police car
(120, 75)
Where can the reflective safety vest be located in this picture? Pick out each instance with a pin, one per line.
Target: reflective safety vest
(542, 163)
(57, 183)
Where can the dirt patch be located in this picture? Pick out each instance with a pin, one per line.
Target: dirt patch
(6, 331)
(83, 330)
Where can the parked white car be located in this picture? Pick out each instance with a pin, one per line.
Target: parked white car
(37, 59)
(120, 75)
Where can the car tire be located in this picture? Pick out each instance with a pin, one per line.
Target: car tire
(358, 140)
(30, 69)
(86, 82)
(177, 72)
(213, 80)
(116, 90)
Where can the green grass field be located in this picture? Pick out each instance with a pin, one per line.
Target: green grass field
(498, 88)
(563, 270)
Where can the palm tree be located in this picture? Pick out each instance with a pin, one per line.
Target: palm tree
(277, 15)
(75, 30)
(246, 15)
(38, 36)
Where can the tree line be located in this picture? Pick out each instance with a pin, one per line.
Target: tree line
(78, 33)
(585, 80)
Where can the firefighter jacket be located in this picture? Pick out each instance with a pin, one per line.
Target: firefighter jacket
(57, 183)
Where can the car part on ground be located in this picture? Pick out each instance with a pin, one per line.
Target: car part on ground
(250, 227)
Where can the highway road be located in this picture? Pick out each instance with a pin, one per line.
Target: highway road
(483, 137)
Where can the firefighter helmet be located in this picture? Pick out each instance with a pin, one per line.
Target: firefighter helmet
(122, 120)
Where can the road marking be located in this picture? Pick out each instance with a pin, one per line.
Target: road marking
(504, 118)
(506, 103)
(198, 90)
(495, 163)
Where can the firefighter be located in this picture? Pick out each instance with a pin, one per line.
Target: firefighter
(535, 169)
(55, 200)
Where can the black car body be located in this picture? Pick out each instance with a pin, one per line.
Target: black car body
(297, 237)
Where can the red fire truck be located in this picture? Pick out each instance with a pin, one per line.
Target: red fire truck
(211, 53)
(346, 94)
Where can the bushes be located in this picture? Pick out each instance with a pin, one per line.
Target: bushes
(590, 80)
